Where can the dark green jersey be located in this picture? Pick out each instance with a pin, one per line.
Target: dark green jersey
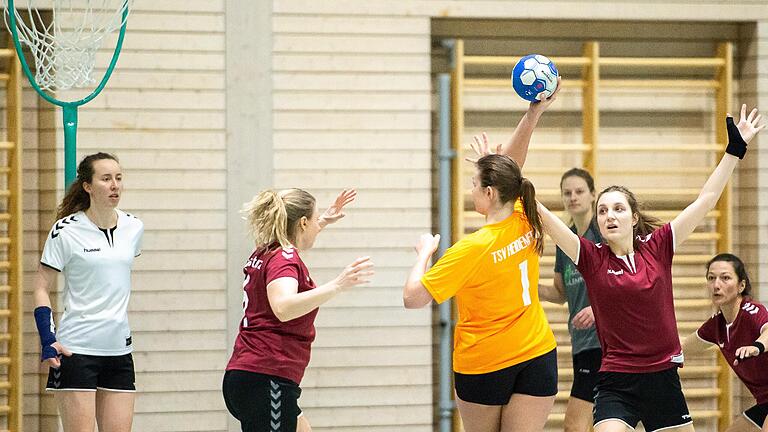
(576, 293)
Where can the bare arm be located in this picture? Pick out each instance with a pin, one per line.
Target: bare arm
(554, 293)
(517, 147)
(692, 344)
(415, 294)
(288, 303)
(41, 285)
(560, 233)
(684, 224)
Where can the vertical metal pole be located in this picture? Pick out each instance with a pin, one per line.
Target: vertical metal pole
(446, 155)
(70, 144)
(457, 132)
(15, 249)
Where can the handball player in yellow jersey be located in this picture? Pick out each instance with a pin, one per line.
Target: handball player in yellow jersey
(504, 360)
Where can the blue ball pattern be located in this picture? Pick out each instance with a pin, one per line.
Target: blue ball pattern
(532, 75)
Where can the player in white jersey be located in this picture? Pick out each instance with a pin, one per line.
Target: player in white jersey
(93, 244)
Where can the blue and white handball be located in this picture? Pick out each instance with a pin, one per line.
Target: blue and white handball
(534, 74)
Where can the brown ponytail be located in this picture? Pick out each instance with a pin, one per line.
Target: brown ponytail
(503, 174)
(77, 199)
(528, 198)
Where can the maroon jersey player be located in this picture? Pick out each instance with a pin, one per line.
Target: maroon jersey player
(280, 302)
(628, 279)
(740, 329)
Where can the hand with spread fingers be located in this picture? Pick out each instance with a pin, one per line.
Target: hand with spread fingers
(481, 147)
(336, 210)
(749, 125)
(357, 273)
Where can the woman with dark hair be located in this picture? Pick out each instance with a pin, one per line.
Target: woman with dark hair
(740, 328)
(638, 380)
(280, 303)
(577, 189)
(93, 244)
(504, 359)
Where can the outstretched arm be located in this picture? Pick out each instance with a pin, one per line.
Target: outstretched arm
(739, 136)
(288, 303)
(692, 344)
(517, 147)
(560, 233)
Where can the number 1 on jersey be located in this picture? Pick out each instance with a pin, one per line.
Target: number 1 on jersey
(525, 283)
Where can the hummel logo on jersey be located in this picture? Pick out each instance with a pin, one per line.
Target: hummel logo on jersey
(686, 416)
(287, 253)
(91, 250)
(644, 239)
(749, 307)
(616, 272)
(61, 224)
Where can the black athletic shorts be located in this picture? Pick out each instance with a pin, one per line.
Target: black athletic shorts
(535, 377)
(586, 365)
(80, 372)
(654, 398)
(261, 402)
(757, 414)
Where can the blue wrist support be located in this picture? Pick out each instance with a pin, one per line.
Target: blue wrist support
(46, 329)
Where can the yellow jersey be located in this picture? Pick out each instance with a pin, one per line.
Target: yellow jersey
(494, 275)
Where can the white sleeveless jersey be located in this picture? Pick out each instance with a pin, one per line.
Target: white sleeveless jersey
(97, 272)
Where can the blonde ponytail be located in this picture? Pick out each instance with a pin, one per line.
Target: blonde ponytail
(273, 216)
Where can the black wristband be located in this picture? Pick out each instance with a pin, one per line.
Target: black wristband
(760, 347)
(736, 144)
